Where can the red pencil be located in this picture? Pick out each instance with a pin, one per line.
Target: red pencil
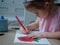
(20, 23)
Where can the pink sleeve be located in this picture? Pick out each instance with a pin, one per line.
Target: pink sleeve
(58, 26)
(59, 19)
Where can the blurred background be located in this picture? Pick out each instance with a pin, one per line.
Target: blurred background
(11, 8)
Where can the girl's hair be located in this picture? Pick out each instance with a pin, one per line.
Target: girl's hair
(39, 4)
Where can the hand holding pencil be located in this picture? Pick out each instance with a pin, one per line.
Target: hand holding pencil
(23, 29)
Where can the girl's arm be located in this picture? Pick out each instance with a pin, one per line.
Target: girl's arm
(54, 35)
(51, 34)
(30, 26)
(33, 25)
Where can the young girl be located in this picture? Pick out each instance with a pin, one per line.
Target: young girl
(48, 19)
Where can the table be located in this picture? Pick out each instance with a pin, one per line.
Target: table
(8, 39)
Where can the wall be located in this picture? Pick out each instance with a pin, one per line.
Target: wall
(57, 1)
(11, 8)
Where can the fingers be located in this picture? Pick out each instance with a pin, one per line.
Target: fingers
(32, 36)
(37, 35)
(24, 31)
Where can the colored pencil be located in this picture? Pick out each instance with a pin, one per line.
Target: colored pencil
(20, 23)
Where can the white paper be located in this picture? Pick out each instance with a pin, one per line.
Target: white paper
(41, 41)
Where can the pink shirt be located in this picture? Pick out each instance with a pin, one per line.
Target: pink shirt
(50, 23)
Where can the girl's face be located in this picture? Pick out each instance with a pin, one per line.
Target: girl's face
(39, 13)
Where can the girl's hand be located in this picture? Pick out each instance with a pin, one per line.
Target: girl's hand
(37, 35)
(24, 31)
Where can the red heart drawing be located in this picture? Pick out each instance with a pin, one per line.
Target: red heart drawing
(25, 39)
